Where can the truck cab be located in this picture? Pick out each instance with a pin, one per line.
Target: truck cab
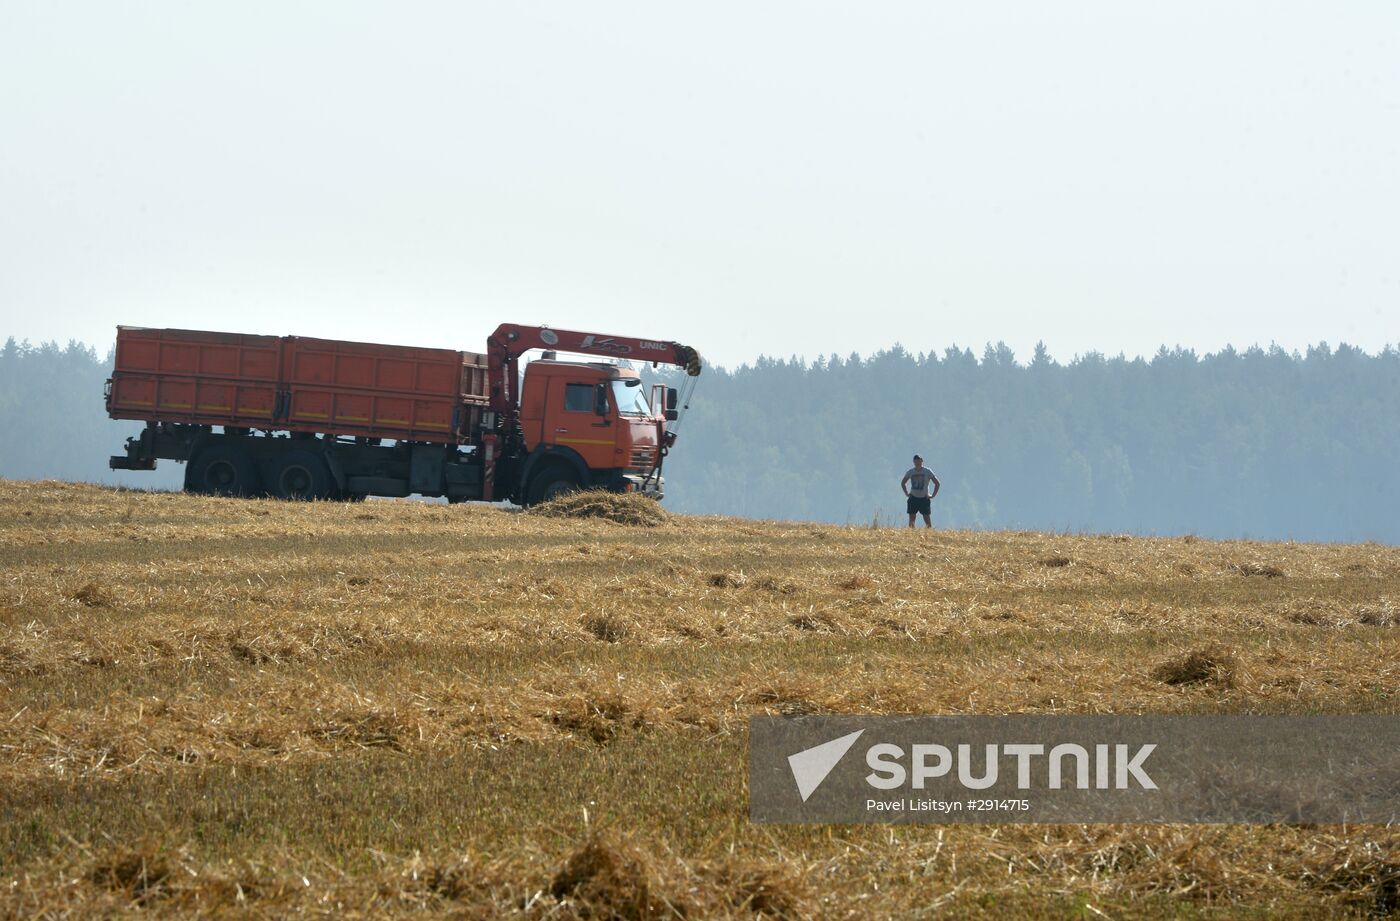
(588, 424)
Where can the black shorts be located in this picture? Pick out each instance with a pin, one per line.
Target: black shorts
(919, 506)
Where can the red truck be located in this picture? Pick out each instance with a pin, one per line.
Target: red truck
(302, 418)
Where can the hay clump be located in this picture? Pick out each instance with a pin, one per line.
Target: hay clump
(1310, 617)
(141, 872)
(1370, 885)
(1380, 615)
(1055, 562)
(1208, 665)
(1267, 570)
(784, 698)
(365, 729)
(777, 586)
(92, 595)
(609, 880)
(457, 882)
(766, 891)
(607, 627)
(735, 579)
(617, 507)
(814, 621)
(600, 718)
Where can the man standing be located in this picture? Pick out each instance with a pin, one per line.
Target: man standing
(915, 486)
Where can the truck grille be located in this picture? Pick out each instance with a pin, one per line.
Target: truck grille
(643, 457)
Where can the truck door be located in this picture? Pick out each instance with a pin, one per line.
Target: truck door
(582, 417)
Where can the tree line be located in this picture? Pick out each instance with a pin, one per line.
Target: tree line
(1259, 443)
(55, 421)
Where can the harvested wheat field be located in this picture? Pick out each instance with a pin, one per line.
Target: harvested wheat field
(214, 706)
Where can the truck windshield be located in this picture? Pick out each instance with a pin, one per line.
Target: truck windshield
(630, 399)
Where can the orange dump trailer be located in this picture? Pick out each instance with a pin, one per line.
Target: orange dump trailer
(301, 384)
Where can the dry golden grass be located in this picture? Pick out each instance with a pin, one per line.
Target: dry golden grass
(392, 708)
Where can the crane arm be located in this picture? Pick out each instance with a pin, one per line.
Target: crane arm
(505, 346)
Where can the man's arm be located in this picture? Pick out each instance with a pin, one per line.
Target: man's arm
(936, 486)
(904, 484)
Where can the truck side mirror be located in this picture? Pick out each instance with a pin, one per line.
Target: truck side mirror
(670, 400)
(600, 399)
(672, 415)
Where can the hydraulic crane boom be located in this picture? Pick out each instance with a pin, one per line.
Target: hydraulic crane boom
(510, 341)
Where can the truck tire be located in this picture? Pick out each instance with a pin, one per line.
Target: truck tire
(223, 470)
(551, 482)
(300, 475)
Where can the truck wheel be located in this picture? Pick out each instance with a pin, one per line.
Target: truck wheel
(551, 482)
(223, 470)
(300, 475)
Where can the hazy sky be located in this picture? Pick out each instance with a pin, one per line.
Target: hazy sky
(779, 177)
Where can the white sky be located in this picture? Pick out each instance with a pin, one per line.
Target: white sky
(778, 177)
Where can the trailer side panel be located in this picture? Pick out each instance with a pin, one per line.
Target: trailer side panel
(318, 386)
(174, 375)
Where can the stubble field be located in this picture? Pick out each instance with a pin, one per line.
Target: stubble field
(390, 708)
